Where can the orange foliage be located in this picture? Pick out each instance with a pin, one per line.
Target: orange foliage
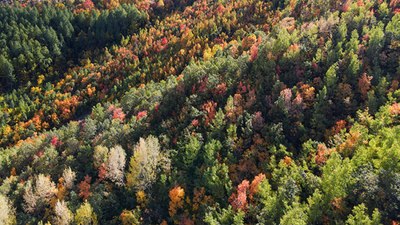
(200, 198)
(364, 85)
(253, 52)
(67, 106)
(239, 200)
(13, 172)
(209, 107)
(338, 205)
(254, 185)
(288, 23)
(351, 142)
(395, 109)
(249, 41)
(61, 190)
(341, 124)
(308, 94)
(84, 188)
(176, 196)
(220, 89)
(322, 153)
(102, 172)
(287, 160)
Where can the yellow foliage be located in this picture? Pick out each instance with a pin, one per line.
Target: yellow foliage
(141, 198)
(40, 79)
(160, 4)
(207, 54)
(7, 130)
(36, 89)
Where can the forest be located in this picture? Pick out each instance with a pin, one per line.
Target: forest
(188, 112)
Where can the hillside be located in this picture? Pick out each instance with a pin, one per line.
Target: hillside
(200, 112)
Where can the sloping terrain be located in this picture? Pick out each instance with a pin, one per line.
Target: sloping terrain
(228, 112)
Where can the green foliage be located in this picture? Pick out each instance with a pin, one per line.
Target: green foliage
(85, 215)
(337, 177)
(217, 182)
(359, 216)
(250, 112)
(6, 71)
(225, 217)
(295, 215)
(188, 150)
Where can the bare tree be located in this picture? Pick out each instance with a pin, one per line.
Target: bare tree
(69, 177)
(63, 216)
(116, 165)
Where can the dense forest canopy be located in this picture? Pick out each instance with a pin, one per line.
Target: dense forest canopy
(200, 112)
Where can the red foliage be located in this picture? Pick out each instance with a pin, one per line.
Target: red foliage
(247, 42)
(156, 107)
(84, 187)
(164, 41)
(251, 98)
(314, 66)
(39, 153)
(241, 88)
(258, 121)
(220, 9)
(394, 4)
(239, 200)
(54, 141)
(144, 5)
(278, 70)
(346, 6)
(203, 85)
(186, 221)
(88, 4)
(117, 113)
(141, 114)
(195, 122)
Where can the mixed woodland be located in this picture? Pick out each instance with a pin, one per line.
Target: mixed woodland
(189, 112)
